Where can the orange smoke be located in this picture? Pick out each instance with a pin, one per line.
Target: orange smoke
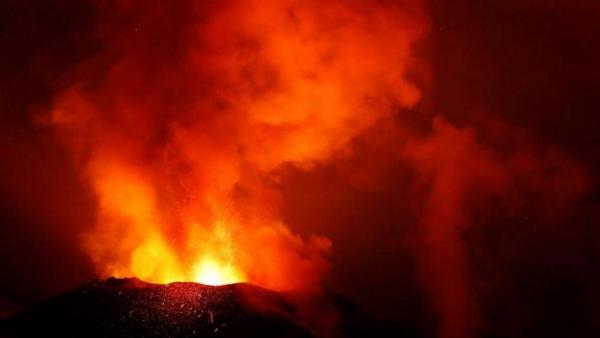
(181, 120)
(461, 177)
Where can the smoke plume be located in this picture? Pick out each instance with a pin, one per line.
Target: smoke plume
(432, 160)
(183, 116)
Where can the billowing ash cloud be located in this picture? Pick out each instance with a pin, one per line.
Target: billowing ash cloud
(283, 142)
(182, 117)
(465, 182)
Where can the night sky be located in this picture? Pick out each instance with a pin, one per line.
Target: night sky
(502, 149)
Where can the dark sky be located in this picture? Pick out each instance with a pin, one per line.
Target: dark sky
(523, 74)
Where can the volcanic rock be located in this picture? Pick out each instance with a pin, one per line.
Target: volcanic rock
(132, 308)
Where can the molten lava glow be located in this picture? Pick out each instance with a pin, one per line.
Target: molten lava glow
(182, 120)
(211, 272)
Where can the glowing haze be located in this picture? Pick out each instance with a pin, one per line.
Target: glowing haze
(206, 136)
(182, 118)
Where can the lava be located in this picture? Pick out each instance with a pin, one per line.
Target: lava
(211, 272)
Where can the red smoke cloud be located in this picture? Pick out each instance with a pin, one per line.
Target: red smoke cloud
(460, 177)
(190, 121)
(180, 121)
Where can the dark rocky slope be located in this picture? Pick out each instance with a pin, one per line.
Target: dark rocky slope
(131, 308)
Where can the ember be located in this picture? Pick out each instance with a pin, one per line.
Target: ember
(226, 168)
(132, 308)
(182, 145)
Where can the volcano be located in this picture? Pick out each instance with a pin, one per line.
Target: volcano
(133, 308)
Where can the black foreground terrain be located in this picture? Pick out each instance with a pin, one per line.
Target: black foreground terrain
(132, 308)
(119, 308)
